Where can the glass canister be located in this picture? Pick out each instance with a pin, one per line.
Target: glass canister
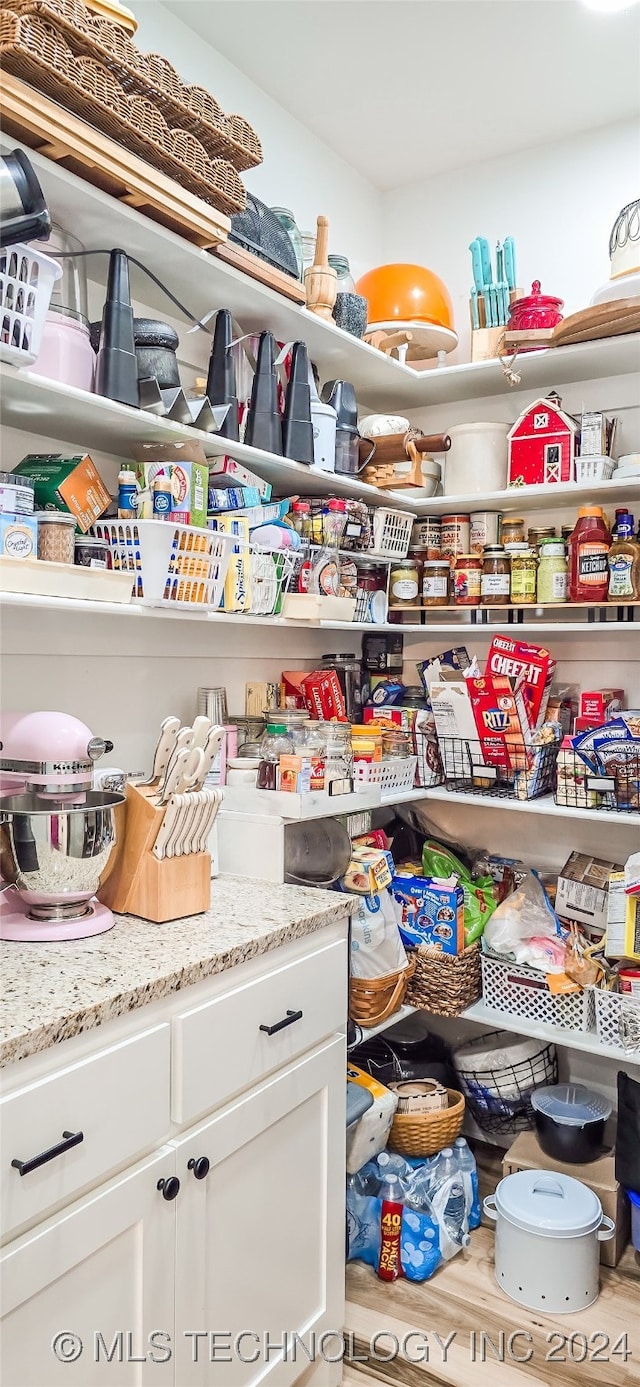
(537, 535)
(345, 280)
(495, 583)
(436, 575)
(404, 583)
(288, 221)
(467, 576)
(552, 571)
(56, 536)
(308, 249)
(275, 743)
(339, 758)
(395, 742)
(349, 671)
(524, 573)
(512, 529)
(311, 738)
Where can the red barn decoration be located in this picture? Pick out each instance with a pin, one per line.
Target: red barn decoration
(542, 445)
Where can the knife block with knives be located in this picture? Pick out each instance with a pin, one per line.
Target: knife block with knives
(490, 301)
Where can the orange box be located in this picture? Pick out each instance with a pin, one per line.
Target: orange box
(67, 483)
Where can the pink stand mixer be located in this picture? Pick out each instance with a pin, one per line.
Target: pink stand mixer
(58, 836)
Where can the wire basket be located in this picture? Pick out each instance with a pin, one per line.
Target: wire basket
(429, 769)
(618, 1020)
(270, 574)
(27, 278)
(529, 771)
(391, 533)
(174, 565)
(499, 1095)
(578, 787)
(395, 774)
(598, 469)
(516, 990)
(426, 1133)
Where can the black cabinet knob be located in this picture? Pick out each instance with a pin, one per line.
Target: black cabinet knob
(170, 1187)
(200, 1166)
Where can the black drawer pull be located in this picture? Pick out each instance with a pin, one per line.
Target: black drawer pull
(69, 1139)
(288, 1020)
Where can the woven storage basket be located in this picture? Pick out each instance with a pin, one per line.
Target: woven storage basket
(35, 52)
(425, 1133)
(445, 984)
(373, 1000)
(150, 75)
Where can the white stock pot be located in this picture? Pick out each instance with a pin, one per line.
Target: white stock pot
(547, 1232)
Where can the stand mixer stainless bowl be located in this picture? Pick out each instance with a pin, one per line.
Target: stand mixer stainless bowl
(58, 839)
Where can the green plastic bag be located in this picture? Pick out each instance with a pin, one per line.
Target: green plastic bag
(481, 894)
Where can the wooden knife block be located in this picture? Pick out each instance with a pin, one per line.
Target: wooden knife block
(142, 885)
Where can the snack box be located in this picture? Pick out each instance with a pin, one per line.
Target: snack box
(622, 939)
(241, 476)
(600, 705)
(189, 486)
(70, 484)
(391, 715)
(323, 696)
(432, 911)
(295, 774)
(235, 498)
(583, 890)
(455, 659)
(532, 667)
(19, 536)
(498, 722)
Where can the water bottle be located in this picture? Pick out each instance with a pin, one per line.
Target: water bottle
(366, 1181)
(390, 1164)
(454, 1212)
(468, 1170)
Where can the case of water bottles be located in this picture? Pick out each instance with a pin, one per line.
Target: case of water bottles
(406, 1217)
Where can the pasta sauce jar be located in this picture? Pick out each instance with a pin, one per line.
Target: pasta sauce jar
(467, 576)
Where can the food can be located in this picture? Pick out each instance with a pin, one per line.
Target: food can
(484, 530)
(16, 494)
(426, 534)
(455, 535)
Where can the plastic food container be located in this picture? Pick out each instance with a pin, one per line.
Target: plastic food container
(477, 459)
(570, 1122)
(548, 1230)
(16, 494)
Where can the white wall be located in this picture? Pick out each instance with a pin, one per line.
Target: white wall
(299, 171)
(558, 201)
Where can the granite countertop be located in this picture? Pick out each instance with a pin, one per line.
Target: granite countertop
(49, 992)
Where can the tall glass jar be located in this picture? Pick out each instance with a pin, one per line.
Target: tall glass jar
(339, 763)
(340, 264)
(311, 740)
(288, 221)
(275, 743)
(308, 249)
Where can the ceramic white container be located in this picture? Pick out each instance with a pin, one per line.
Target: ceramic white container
(477, 459)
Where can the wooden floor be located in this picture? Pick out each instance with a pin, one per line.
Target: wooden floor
(463, 1300)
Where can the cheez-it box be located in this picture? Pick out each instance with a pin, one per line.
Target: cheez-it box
(531, 667)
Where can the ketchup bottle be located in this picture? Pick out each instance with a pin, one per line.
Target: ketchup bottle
(589, 545)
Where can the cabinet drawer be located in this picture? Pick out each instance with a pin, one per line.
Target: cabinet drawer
(118, 1099)
(224, 1046)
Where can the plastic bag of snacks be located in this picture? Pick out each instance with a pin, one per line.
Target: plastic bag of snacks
(481, 893)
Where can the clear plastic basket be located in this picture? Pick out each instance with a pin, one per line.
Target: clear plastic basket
(174, 565)
(27, 278)
(391, 533)
(396, 774)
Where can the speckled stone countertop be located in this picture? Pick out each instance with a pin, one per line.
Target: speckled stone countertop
(49, 992)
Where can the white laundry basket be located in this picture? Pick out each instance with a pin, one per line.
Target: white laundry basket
(174, 565)
(27, 278)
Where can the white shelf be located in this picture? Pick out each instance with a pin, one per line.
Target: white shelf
(292, 808)
(399, 1015)
(587, 1041)
(204, 283)
(544, 805)
(521, 499)
(44, 407)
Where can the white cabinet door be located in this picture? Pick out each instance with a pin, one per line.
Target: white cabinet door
(260, 1239)
(83, 1294)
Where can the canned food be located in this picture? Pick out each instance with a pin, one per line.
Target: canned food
(455, 535)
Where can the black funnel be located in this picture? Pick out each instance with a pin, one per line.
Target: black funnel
(264, 426)
(117, 366)
(297, 429)
(221, 378)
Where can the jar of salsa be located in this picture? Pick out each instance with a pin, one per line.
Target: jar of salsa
(467, 576)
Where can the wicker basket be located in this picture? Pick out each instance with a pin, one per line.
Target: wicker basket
(426, 1133)
(150, 75)
(35, 52)
(445, 984)
(374, 1000)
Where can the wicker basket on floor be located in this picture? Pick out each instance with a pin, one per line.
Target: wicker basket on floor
(425, 1133)
(445, 984)
(374, 1000)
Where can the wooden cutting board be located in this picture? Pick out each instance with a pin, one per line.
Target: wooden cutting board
(259, 269)
(602, 320)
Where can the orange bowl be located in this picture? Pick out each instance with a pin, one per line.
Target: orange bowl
(398, 294)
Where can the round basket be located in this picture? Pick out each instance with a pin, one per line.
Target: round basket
(426, 1133)
(373, 1000)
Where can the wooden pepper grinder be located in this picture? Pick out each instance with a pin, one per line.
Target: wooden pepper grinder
(321, 280)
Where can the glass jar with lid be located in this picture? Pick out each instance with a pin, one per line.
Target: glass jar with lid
(345, 280)
(524, 572)
(275, 743)
(495, 582)
(512, 529)
(467, 576)
(339, 758)
(537, 534)
(436, 576)
(288, 221)
(395, 742)
(311, 741)
(404, 583)
(552, 571)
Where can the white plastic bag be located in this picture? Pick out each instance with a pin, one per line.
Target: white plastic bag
(525, 914)
(376, 946)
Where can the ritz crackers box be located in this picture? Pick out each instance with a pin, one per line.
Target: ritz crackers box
(531, 666)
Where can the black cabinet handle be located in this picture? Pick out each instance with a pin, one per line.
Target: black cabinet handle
(199, 1166)
(288, 1020)
(170, 1187)
(69, 1139)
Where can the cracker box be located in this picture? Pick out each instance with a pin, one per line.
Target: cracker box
(622, 939)
(497, 722)
(432, 911)
(600, 705)
(323, 696)
(70, 484)
(583, 890)
(529, 666)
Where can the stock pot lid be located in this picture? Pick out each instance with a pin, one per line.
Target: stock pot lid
(553, 1206)
(572, 1105)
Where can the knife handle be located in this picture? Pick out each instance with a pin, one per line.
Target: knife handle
(476, 264)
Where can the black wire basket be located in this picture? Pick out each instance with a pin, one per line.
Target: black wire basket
(527, 772)
(580, 787)
(258, 230)
(499, 1099)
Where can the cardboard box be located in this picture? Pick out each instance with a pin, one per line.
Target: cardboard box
(241, 476)
(70, 484)
(432, 911)
(583, 890)
(382, 654)
(498, 722)
(599, 1176)
(599, 705)
(531, 667)
(622, 939)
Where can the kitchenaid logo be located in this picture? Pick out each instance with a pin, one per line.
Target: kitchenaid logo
(218, 1346)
